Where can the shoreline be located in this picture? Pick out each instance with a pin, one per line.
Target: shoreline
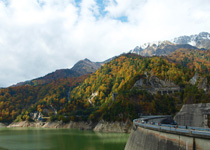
(101, 126)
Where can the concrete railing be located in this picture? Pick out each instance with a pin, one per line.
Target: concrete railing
(181, 130)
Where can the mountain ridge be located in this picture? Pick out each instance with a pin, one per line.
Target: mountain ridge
(199, 41)
(159, 48)
(109, 93)
(86, 66)
(82, 67)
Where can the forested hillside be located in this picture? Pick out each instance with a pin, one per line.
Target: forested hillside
(19, 102)
(109, 93)
(82, 67)
(198, 60)
(119, 76)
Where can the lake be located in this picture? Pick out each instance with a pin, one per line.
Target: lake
(59, 139)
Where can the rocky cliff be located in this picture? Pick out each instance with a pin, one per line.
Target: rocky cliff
(153, 84)
(201, 82)
(86, 66)
(2, 125)
(121, 127)
(102, 126)
(201, 40)
(160, 48)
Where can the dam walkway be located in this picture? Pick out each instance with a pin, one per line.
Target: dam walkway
(176, 129)
(150, 133)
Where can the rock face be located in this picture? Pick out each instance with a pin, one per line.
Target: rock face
(194, 79)
(26, 124)
(201, 82)
(93, 95)
(196, 115)
(160, 48)
(86, 66)
(120, 127)
(201, 40)
(2, 125)
(102, 126)
(154, 85)
(56, 124)
(81, 125)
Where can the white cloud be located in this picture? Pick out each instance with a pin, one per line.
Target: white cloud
(40, 36)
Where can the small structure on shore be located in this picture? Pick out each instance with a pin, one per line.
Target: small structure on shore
(155, 85)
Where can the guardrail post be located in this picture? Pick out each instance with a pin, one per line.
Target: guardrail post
(134, 127)
(190, 132)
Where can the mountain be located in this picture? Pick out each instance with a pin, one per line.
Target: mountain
(110, 92)
(121, 89)
(86, 66)
(58, 74)
(201, 40)
(160, 48)
(82, 67)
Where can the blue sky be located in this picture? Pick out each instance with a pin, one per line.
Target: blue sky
(40, 36)
(101, 4)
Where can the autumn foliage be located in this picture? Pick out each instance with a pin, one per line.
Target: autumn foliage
(90, 97)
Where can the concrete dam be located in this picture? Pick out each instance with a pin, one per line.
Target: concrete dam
(153, 136)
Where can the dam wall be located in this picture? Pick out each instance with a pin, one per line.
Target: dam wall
(197, 115)
(157, 139)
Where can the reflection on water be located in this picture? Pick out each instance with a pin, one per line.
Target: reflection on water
(62, 139)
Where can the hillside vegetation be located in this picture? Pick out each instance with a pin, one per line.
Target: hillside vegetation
(198, 60)
(19, 102)
(119, 76)
(90, 97)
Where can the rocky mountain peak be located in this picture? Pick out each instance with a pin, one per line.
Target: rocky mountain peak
(197, 41)
(86, 60)
(159, 48)
(204, 35)
(200, 40)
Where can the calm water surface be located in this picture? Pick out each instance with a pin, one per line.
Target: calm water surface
(59, 139)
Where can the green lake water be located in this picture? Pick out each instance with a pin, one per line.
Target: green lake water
(59, 139)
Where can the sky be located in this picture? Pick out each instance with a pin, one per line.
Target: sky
(40, 36)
